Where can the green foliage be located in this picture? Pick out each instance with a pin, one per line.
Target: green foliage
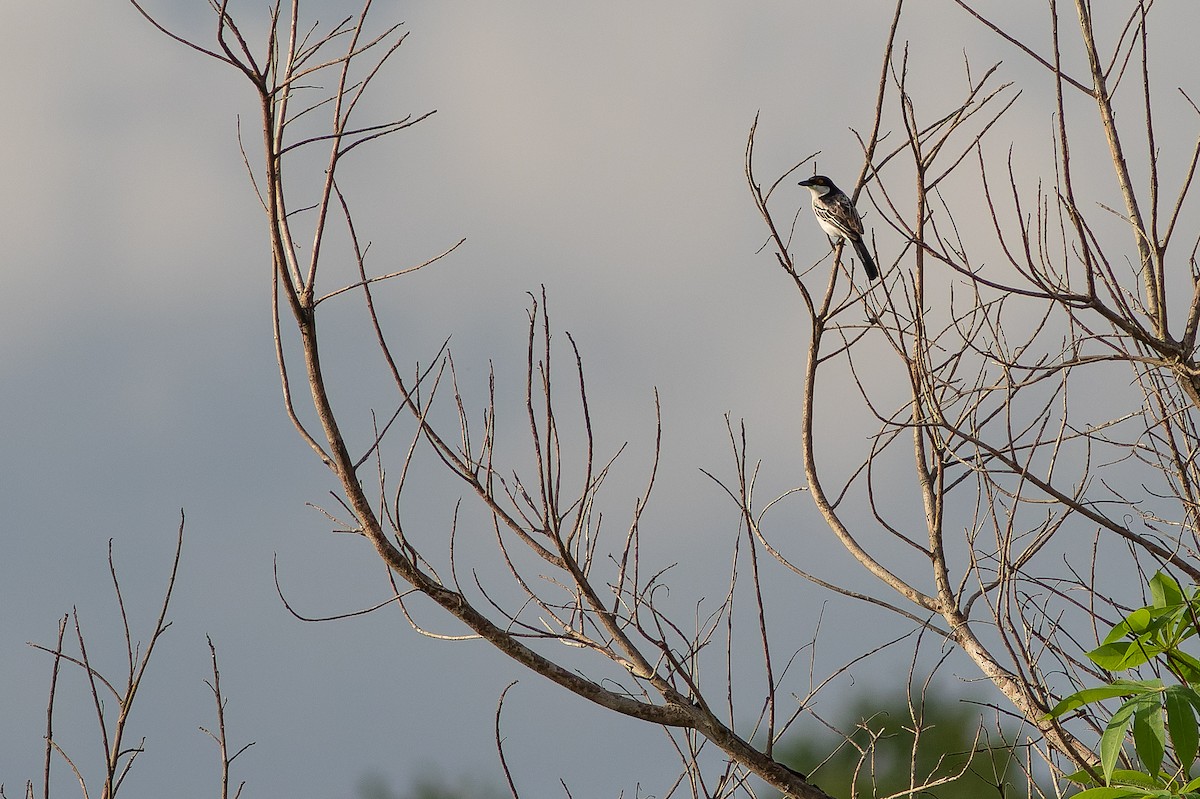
(1160, 719)
(952, 745)
(427, 785)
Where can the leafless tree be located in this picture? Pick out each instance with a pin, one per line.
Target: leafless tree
(1000, 366)
(1001, 334)
(113, 699)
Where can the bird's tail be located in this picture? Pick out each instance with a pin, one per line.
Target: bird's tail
(864, 255)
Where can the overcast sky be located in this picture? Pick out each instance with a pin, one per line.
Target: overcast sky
(593, 148)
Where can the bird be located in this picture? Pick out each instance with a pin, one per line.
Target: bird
(836, 214)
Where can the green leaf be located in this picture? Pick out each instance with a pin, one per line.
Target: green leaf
(1088, 695)
(1127, 655)
(1149, 734)
(1109, 793)
(1114, 736)
(1082, 777)
(1124, 777)
(1139, 621)
(1147, 624)
(1181, 721)
(1187, 666)
(1118, 656)
(1165, 590)
(1132, 626)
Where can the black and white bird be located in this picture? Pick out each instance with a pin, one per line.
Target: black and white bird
(839, 218)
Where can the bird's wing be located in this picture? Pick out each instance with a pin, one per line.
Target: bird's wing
(840, 212)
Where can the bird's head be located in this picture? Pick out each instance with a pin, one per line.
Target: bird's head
(818, 185)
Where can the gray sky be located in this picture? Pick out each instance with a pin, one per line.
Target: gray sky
(593, 148)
